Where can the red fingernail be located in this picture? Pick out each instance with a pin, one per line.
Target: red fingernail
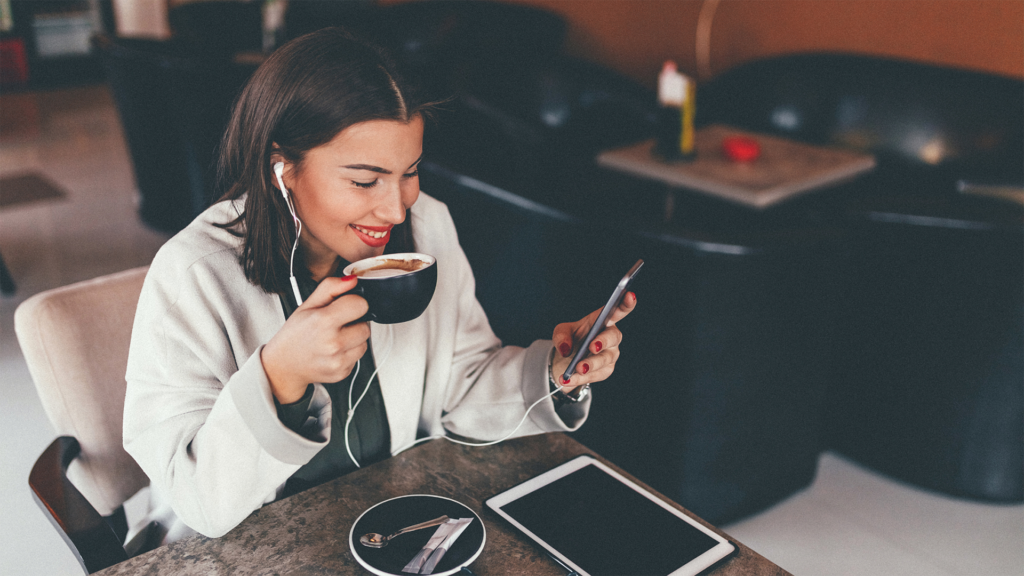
(584, 368)
(349, 277)
(633, 294)
(564, 349)
(597, 346)
(565, 380)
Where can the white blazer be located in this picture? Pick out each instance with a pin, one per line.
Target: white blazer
(199, 415)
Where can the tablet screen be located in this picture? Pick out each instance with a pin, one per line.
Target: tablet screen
(605, 527)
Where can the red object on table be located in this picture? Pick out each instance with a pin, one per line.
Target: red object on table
(740, 148)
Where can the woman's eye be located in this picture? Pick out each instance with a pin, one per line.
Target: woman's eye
(412, 174)
(370, 184)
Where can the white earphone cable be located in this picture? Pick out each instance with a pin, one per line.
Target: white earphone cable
(490, 443)
(291, 263)
(279, 171)
(351, 407)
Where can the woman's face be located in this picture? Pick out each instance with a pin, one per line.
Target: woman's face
(351, 191)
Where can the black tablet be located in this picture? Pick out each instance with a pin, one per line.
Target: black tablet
(598, 523)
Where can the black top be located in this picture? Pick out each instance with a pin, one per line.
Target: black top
(369, 435)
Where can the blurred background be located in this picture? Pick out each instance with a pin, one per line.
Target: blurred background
(836, 380)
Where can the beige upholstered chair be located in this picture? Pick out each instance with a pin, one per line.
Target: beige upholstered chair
(75, 340)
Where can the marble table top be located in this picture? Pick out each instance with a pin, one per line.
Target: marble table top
(308, 532)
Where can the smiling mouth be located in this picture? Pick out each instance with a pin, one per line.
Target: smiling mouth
(378, 234)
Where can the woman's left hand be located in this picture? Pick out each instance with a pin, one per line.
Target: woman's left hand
(604, 350)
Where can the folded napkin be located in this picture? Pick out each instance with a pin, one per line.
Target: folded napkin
(414, 565)
(458, 526)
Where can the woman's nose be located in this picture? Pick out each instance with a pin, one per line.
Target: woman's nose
(390, 208)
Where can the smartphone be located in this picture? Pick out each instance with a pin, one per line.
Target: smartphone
(602, 318)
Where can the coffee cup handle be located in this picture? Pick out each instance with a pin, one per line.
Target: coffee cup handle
(359, 291)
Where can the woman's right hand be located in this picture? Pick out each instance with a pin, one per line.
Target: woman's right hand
(320, 341)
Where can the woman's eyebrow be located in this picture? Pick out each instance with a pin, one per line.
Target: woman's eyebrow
(377, 169)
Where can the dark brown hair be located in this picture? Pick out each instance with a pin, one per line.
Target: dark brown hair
(301, 97)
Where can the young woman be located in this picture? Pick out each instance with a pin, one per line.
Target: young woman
(239, 393)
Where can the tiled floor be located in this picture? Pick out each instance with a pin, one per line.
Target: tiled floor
(74, 139)
(849, 522)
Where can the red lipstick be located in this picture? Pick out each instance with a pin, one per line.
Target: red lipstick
(371, 240)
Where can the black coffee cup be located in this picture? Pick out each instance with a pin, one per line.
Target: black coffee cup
(398, 287)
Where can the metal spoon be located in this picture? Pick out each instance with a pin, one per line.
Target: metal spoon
(374, 540)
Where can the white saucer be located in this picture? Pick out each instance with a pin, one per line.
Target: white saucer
(389, 516)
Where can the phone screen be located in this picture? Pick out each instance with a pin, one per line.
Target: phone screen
(602, 318)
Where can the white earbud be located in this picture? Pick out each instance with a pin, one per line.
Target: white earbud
(279, 172)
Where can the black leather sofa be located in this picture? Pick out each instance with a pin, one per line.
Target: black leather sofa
(174, 97)
(173, 105)
(883, 318)
(928, 358)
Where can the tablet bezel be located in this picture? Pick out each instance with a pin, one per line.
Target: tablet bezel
(709, 558)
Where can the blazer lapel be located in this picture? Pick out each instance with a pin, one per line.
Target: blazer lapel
(400, 355)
